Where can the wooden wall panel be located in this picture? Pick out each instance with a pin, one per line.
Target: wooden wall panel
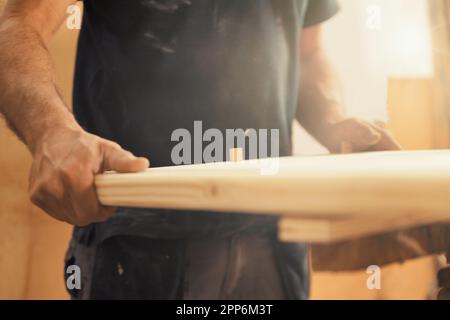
(32, 245)
(410, 106)
(15, 225)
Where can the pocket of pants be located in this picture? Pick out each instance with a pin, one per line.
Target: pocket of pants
(131, 267)
(252, 271)
(78, 262)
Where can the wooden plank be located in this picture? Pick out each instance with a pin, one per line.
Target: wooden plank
(374, 188)
(381, 249)
(330, 231)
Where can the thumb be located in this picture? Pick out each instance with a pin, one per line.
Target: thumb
(122, 161)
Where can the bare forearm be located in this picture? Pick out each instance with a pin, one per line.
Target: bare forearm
(320, 99)
(29, 98)
(65, 157)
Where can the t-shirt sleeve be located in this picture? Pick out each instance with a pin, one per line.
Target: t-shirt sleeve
(319, 11)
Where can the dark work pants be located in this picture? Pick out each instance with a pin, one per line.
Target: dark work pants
(241, 266)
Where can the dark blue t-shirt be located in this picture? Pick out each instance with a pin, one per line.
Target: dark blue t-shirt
(144, 71)
(147, 67)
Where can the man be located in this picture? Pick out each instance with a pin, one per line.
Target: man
(145, 68)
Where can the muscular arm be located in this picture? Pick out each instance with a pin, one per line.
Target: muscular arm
(65, 157)
(29, 98)
(320, 109)
(320, 101)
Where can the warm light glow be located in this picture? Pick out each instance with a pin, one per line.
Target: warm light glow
(409, 49)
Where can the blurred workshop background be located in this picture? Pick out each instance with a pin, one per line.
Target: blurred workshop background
(394, 62)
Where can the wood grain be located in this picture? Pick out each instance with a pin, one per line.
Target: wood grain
(353, 195)
(332, 231)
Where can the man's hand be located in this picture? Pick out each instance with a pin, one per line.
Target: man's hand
(66, 158)
(320, 109)
(63, 172)
(359, 136)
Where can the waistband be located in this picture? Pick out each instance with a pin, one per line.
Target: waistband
(175, 224)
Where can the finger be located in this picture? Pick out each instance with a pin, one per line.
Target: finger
(107, 211)
(359, 134)
(117, 159)
(387, 141)
(380, 124)
(83, 198)
(364, 135)
(53, 208)
(87, 208)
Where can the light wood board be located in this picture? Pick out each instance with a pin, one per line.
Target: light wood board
(330, 230)
(321, 199)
